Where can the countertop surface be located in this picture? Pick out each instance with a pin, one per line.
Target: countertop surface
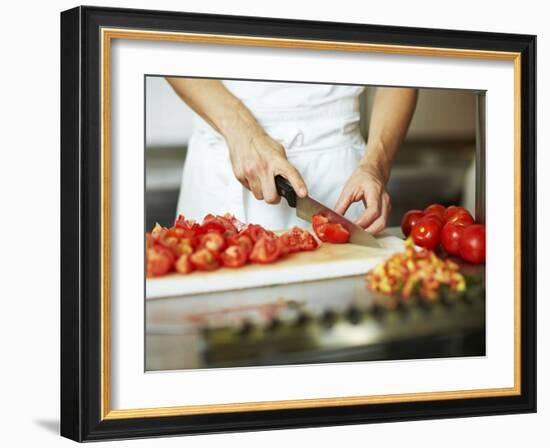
(329, 320)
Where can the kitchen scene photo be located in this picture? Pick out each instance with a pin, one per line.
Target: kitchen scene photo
(301, 223)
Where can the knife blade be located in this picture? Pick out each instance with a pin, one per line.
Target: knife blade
(307, 207)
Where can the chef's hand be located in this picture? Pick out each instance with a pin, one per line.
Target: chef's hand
(256, 159)
(367, 184)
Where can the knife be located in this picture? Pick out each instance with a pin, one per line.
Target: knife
(307, 207)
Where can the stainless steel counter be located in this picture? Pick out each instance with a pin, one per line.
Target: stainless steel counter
(334, 320)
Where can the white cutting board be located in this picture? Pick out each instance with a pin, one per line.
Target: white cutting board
(328, 261)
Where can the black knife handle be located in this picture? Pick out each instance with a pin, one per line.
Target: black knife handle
(285, 190)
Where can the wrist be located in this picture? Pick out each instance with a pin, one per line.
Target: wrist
(239, 124)
(376, 159)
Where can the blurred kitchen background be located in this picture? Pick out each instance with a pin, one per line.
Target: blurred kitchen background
(434, 164)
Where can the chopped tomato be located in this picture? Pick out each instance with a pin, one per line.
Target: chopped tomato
(329, 232)
(211, 226)
(188, 227)
(256, 231)
(297, 239)
(318, 220)
(157, 229)
(176, 232)
(234, 221)
(158, 261)
(414, 272)
(162, 239)
(204, 260)
(266, 250)
(212, 241)
(183, 264)
(234, 256)
(184, 247)
(218, 240)
(336, 233)
(218, 224)
(241, 240)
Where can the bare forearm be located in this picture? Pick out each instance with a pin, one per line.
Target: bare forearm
(392, 111)
(215, 104)
(255, 157)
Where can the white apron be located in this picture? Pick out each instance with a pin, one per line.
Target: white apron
(318, 125)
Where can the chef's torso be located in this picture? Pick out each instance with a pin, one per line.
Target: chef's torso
(317, 124)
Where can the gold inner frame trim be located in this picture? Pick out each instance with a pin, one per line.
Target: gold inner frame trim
(107, 35)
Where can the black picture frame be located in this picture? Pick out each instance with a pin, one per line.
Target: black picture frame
(81, 209)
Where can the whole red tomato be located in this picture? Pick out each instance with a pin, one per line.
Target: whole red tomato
(461, 217)
(450, 237)
(452, 210)
(472, 244)
(435, 209)
(409, 220)
(427, 233)
(435, 217)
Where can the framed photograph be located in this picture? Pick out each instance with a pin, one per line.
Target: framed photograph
(272, 224)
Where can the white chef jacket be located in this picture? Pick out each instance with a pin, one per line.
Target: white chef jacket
(318, 125)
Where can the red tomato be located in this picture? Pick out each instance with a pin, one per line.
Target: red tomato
(434, 217)
(336, 234)
(461, 217)
(266, 250)
(204, 260)
(234, 221)
(161, 238)
(159, 261)
(241, 240)
(188, 227)
(318, 220)
(435, 209)
(212, 241)
(472, 244)
(234, 257)
(450, 237)
(255, 232)
(427, 233)
(211, 227)
(183, 264)
(297, 239)
(409, 220)
(452, 210)
(184, 247)
(157, 229)
(329, 232)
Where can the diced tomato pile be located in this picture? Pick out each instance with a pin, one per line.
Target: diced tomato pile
(329, 232)
(452, 227)
(414, 272)
(219, 241)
